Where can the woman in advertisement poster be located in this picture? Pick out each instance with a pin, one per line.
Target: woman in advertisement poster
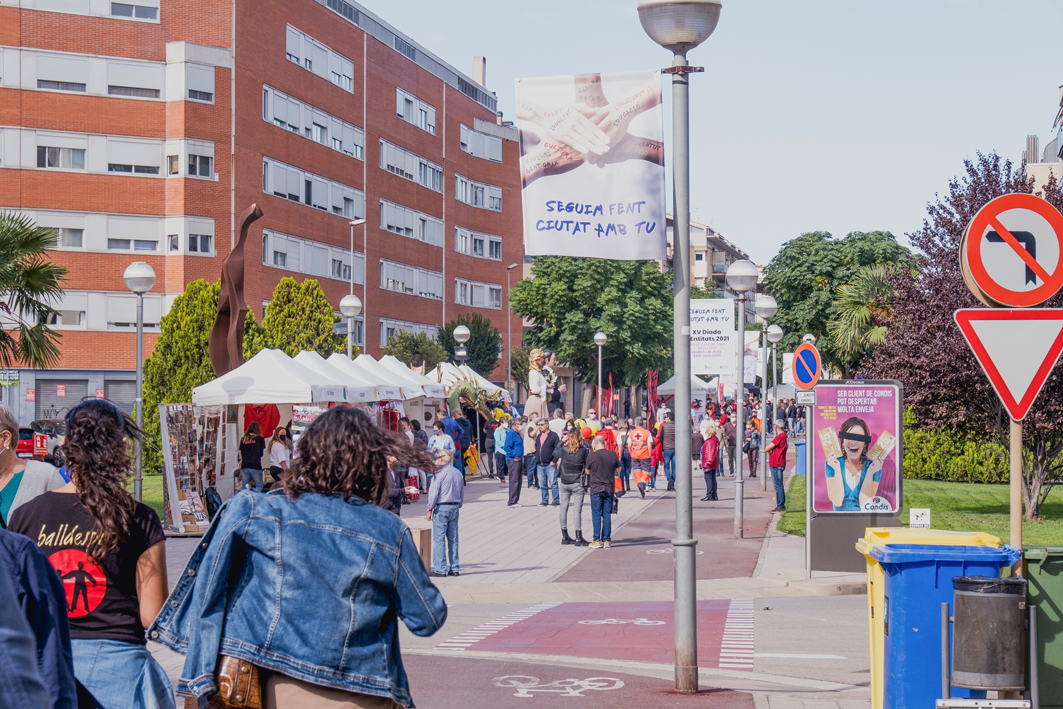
(536, 403)
(860, 474)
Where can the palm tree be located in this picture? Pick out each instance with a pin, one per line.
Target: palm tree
(862, 305)
(29, 284)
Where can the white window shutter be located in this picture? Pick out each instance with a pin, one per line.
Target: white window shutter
(494, 148)
(137, 75)
(52, 67)
(295, 183)
(201, 78)
(295, 42)
(319, 193)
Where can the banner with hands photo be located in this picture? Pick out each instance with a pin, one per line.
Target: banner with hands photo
(592, 165)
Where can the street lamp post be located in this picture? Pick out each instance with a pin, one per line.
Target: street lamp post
(509, 339)
(775, 335)
(742, 278)
(600, 339)
(354, 223)
(461, 335)
(350, 306)
(766, 308)
(679, 26)
(139, 277)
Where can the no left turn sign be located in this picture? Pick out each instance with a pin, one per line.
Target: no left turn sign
(1012, 251)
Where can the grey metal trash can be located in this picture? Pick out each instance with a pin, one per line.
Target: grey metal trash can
(989, 633)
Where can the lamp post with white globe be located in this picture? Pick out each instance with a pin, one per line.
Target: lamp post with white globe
(679, 26)
(461, 336)
(766, 308)
(742, 278)
(350, 306)
(600, 339)
(775, 335)
(139, 277)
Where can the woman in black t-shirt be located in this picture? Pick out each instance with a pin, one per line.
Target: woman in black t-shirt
(109, 551)
(251, 447)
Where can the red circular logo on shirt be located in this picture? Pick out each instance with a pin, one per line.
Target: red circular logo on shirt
(83, 580)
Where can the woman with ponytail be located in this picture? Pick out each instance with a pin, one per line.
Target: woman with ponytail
(109, 550)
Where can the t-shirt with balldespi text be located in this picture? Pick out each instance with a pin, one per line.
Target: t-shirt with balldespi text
(101, 598)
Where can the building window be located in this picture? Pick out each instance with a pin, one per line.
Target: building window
(480, 145)
(319, 134)
(138, 169)
(280, 258)
(200, 95)
(415, 111)
(140, 12)
(134, 244)
(60, 85)
(699, 257)
(477, 246)
(495, 295)
(477, 295)
(477, 195)
(495, 250)
(171, 165)
(70, 238)
(175, 242)
(337, 268)
(69, 158)
(199, 243)
(132, 91)
(200, 166)
(494, 203)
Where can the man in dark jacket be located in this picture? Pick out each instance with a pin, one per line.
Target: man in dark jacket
(514, 453)
(545, 443)
(729, 441)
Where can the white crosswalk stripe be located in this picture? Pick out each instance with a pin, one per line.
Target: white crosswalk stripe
(469, 637)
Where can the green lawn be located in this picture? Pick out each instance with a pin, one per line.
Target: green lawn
(961, 507)
(152, 487)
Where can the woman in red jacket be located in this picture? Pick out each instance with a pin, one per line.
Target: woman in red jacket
(710, 461)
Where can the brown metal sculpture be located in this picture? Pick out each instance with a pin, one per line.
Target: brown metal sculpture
(226, 343)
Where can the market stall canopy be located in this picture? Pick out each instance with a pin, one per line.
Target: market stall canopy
(433, 389)
(270, 377)
(377, 373)
(729, 388)
(384, 390)
(447, 374)
(357, 389)
(783, 391)
(698, 386)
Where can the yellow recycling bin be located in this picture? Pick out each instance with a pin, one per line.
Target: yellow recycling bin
(876, 583)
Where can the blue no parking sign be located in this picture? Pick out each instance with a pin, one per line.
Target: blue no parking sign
(806, 366)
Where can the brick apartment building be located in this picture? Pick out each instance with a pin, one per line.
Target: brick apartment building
(141, 129)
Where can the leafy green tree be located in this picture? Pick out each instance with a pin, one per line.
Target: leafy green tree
(29, 284)
(571, 299)
(520, 365)
(862, 310)
(299, 317)
(697, 293)
(804, 277)
(415, 350)
(180, 360)
(484, 345)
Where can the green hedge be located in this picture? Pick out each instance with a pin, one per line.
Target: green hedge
(944, 454)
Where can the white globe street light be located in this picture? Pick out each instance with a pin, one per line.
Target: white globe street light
(139, 277)
(679, 26)
(350, 307)
(600, 339)
(775, 335)
(766, 306)
(461, 336)
(741, 277)
(809, 338)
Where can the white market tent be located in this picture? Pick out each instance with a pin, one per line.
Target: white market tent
(729, 388)
(447, 374)
(698, 386)
(356, 389)
(433, 389)
(376, 372)
(270, 377)
(384, 390)
(785, 391)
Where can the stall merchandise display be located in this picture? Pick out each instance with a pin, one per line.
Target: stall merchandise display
(192, 437)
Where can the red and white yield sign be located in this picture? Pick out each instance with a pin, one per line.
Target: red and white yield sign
(1012, 252)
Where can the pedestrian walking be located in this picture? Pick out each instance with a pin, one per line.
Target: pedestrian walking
(445, 498)
(251, 447)
(115, 566)
(697, 442)
(557, 422)
(545, 443)
(603, 467)
(20, 480)
(751, 448)
(396, 479)
(729, 436)
(638, 443)
(571, 459)
(498, 444)
(622, 434)
(513, 449)
(667, 443)
(289, 607)
(777, 460)
(528, 431)
(710, 460)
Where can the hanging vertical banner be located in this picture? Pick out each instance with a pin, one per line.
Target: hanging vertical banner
(713, 337)
(592, 165)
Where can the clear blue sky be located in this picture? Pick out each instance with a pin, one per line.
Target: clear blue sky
(835, 115)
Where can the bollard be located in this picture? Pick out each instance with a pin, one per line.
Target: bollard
(946, 689)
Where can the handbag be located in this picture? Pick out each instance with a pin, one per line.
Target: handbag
(584, 479)
(239, 686)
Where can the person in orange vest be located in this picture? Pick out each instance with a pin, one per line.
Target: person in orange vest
(639, 442)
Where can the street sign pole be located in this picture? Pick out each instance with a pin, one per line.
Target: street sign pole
(762, 460)
(808, 489)
(1015, 473)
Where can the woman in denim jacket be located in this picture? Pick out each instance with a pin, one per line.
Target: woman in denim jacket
(309, 581)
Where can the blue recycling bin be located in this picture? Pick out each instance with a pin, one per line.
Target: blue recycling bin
(918, 580)
(800, 465)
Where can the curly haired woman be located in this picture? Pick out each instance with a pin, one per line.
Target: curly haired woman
(110, 551)
(309, 581)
